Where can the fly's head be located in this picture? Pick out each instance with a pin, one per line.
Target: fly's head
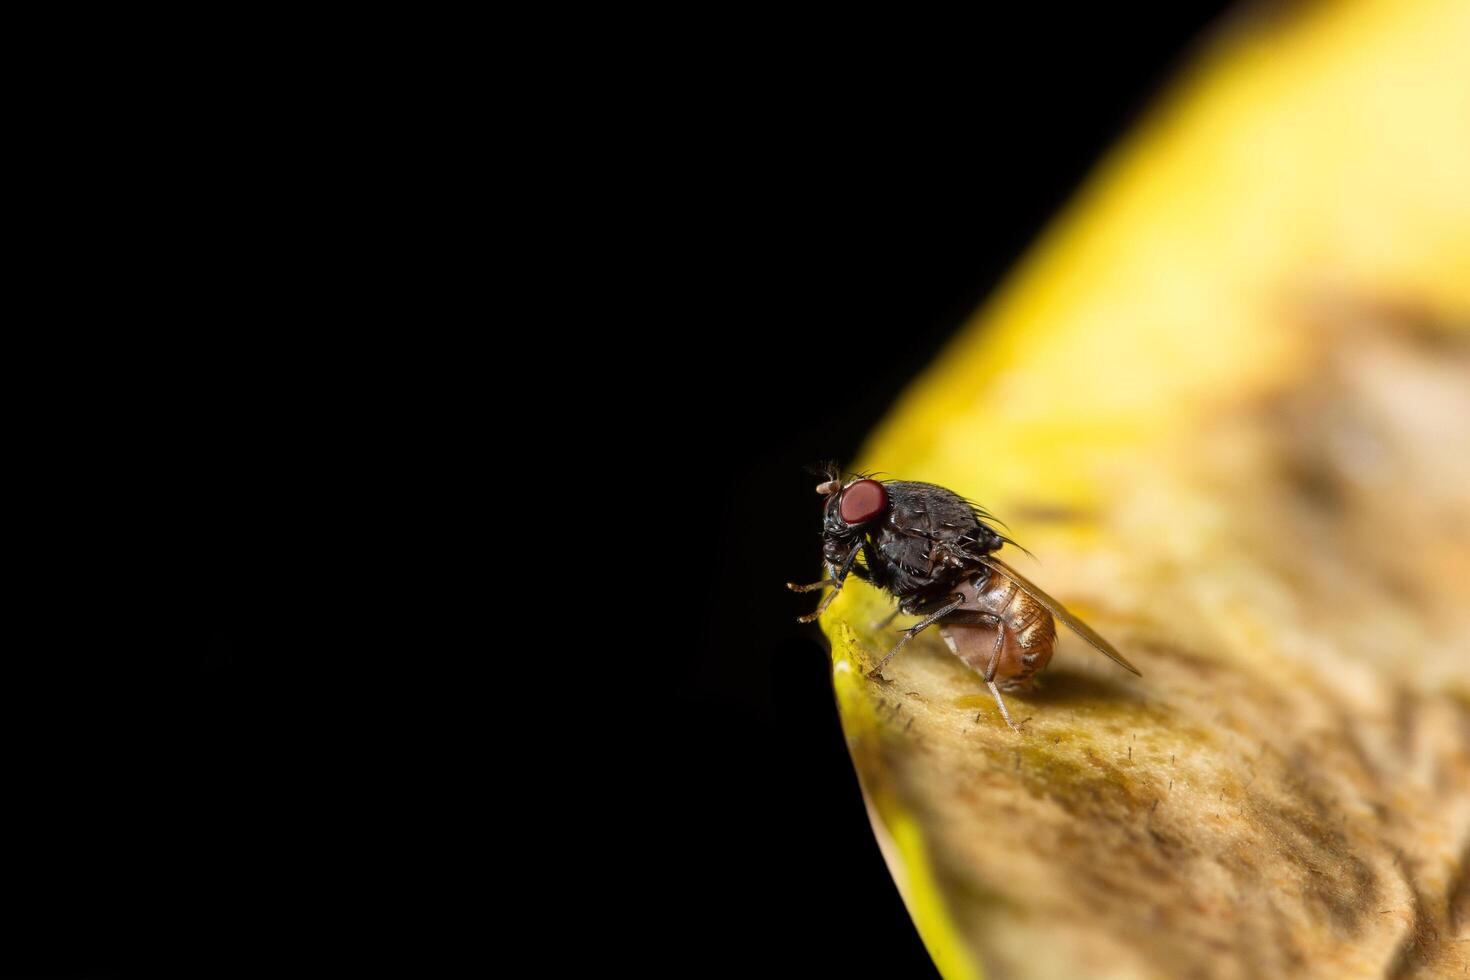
(851, 508)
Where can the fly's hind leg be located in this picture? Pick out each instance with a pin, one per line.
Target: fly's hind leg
(1000, 701)
(955, 601)
(986, 619)
(990, 668)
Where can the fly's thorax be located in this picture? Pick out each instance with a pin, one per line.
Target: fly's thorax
(932, 505)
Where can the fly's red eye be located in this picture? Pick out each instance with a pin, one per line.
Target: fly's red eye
(862, 501)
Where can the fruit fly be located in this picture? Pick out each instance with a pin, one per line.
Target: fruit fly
(933, 551)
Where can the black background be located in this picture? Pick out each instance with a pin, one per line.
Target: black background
(851, 236)
(210, 736)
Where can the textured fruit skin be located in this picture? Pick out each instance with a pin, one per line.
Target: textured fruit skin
(1224, 398)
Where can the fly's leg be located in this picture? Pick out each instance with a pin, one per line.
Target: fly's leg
(987, 619)
(955, 601)
(836, 583)
(971, 617)
(1003, 712)
(990, 668)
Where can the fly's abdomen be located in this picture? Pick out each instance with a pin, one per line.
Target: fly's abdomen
(1030, 633)
(1035, 637)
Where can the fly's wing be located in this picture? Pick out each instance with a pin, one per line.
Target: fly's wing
(1058, 610)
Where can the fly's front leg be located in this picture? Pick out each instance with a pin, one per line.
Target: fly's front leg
(955, 601)
(835, 581)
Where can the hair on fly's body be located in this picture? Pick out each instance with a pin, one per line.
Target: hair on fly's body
(934, 552)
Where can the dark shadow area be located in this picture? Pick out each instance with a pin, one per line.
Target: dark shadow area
(1060, 687)
(241, 740)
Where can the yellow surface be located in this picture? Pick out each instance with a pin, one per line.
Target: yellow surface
(1226, 402)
